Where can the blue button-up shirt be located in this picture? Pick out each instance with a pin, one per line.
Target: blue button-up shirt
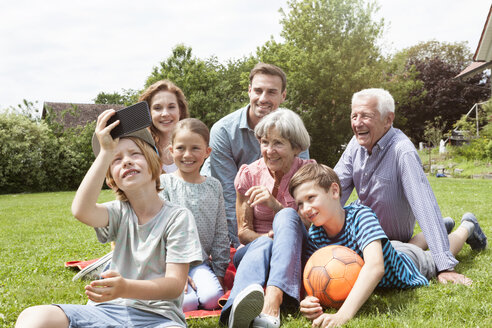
(392, 182)
(233, 144)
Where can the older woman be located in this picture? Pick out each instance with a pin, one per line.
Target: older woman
(271, 256)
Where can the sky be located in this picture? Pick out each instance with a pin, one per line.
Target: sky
(70, 51)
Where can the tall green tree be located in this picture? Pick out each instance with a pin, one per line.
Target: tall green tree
(434, 90)
(330, 51)
(212, 89)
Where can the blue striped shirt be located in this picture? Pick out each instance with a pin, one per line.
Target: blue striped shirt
(360, 229)
(392, 182)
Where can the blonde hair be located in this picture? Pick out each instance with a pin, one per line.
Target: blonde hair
(153, 161)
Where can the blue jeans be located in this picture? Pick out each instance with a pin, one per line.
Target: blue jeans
(270, 262)
(208, 289)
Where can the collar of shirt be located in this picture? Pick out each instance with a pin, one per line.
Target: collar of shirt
(385, 140)
(243, 119)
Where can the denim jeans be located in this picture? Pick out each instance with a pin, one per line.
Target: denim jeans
(208, 289)
(271, 262)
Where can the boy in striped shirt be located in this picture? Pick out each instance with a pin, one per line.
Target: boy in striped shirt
(316, 189)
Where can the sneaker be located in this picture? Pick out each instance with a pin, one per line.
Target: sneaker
(246, 306)
(94, 270)
(477, 240)
(266, 321)
(449, 224)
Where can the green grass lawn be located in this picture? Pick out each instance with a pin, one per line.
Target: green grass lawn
(38, 234)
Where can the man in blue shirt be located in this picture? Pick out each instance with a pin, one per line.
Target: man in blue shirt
(382, 164)
(233, 140)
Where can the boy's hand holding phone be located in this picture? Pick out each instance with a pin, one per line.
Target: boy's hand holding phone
(103, 131)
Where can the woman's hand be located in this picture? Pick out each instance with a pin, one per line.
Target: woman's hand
(261, 195)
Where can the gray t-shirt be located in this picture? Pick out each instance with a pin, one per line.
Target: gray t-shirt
(142, 251)
(206, 202)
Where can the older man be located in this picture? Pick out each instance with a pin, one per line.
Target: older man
(385, 169)
(233, 140)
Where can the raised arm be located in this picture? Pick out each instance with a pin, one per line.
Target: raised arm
(84, 205)
(245, 219)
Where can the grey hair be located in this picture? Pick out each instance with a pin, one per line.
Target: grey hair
(288, 124)
(386, 103)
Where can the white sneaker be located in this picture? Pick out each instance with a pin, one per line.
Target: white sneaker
(246, 306)
(94, 270)
(266, 321)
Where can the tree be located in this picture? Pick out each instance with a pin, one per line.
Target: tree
(330, 52)
(212, 89)
(435, 92)
(127, 97)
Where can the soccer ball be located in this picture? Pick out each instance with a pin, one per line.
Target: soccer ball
(330, 274)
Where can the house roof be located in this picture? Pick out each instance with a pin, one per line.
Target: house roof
(473, 68)
(484, 49)
(483, 54)
(72, 114)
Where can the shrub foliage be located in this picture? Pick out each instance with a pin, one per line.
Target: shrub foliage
(35, 156)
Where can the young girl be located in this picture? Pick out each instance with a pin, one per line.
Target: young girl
(167, 105)
(203, 196)
(155, 241)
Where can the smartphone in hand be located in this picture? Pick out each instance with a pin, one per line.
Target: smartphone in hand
(132, 118)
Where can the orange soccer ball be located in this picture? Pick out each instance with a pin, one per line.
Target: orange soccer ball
(330, 273)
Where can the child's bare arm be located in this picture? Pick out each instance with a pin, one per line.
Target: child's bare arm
(114, 286)
(369, 277)
(84, 205)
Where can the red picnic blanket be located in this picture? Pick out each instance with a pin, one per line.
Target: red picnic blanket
(228, 282)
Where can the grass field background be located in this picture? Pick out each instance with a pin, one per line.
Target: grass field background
(38, 234)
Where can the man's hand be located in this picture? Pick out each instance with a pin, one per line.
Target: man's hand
(310, 308)
(456, 278)
(112, 286)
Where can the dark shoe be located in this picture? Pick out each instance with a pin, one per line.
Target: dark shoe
(449, 224)
(477, 240)
(246, 306)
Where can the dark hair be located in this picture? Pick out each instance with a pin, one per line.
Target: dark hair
(322, 175)
(193, 125)
(268, 69)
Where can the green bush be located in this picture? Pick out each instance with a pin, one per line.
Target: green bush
(478, 149)
(35, 158)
